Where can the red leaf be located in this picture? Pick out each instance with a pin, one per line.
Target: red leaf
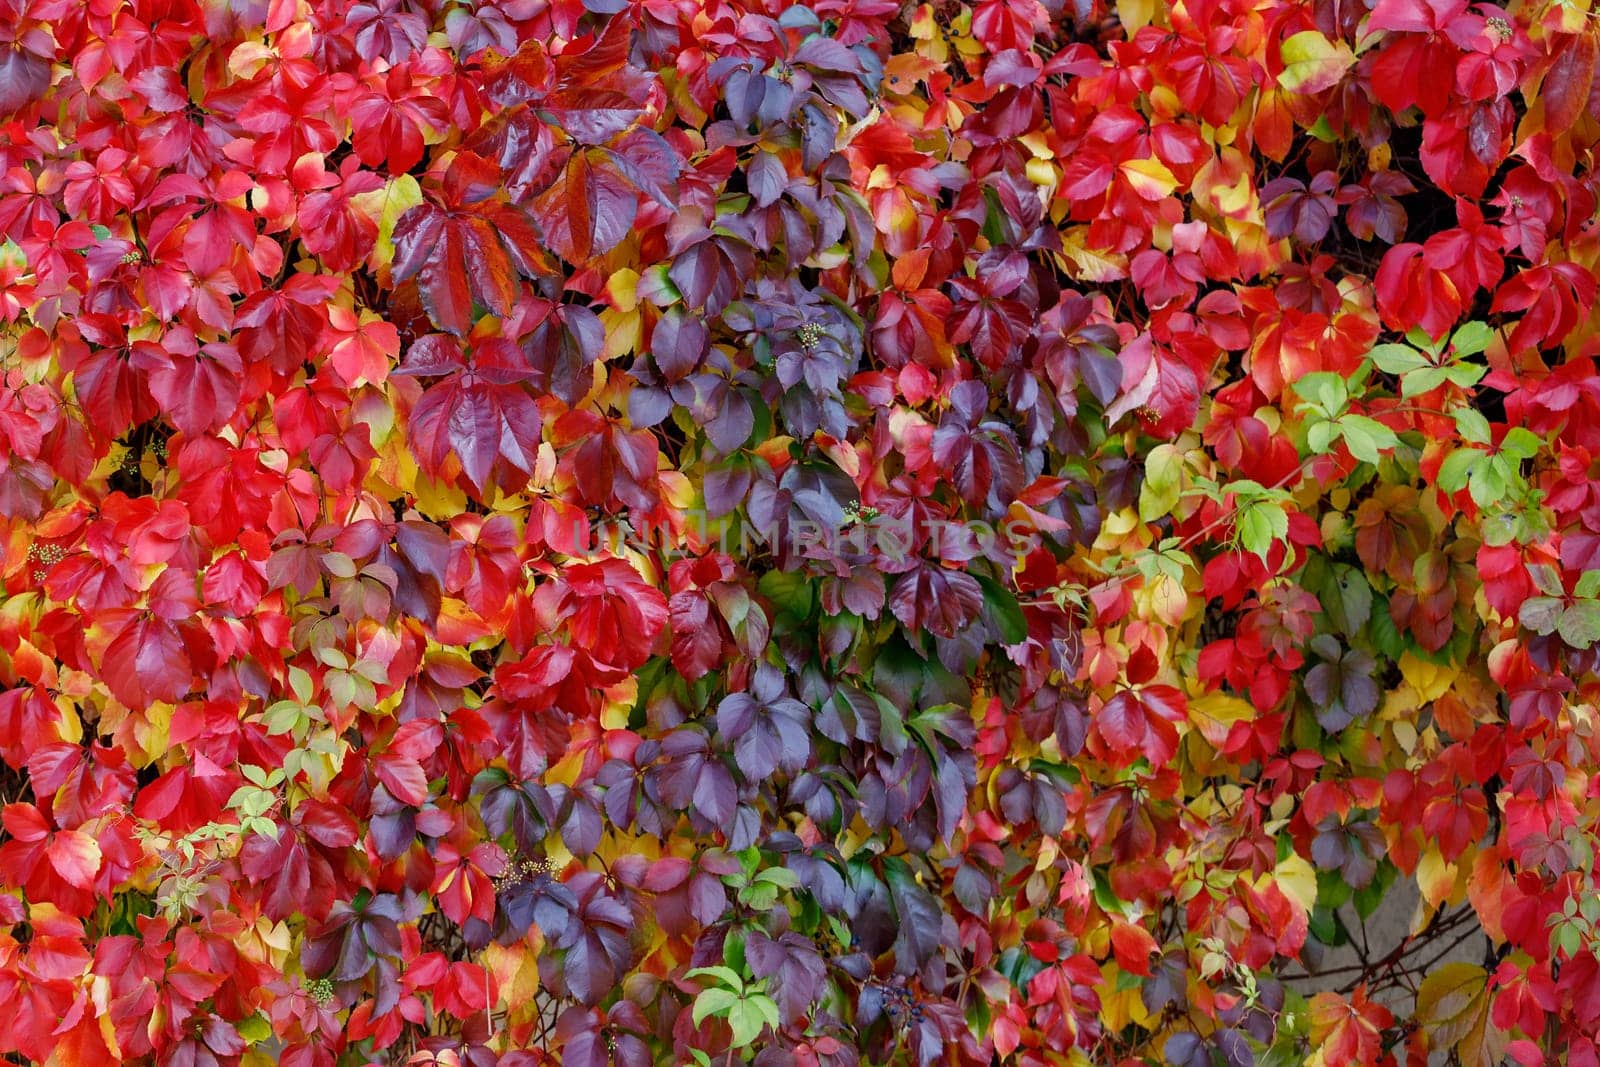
(483, 424)
(198, 388)
(1132, 945)
(147, 662)
(588, 212)
(405, 779)
(75, 856)
(24, 822)
(1565, 89)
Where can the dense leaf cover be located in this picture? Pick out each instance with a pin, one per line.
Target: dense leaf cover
(691, 531)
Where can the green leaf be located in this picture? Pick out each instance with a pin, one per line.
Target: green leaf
(1386, 637)
(1521, 442)
(747, 1019)
(1472, 425)
(301, 685)
(782, 877)
(1421, 339)
(725, 975)
(1260, 525)
(1423, 380)
(282, 717)
(1323, 926)
(1397, 359)
(1580, 624)
(1365, 437)
(1546, 579)
(1473, 337)
(1106, 897)
(1004, 611)
(1347, 600)
(1489, 481)
(1465, 375)
(341, 686)
(1321, 436)
(713, 1002)
(255, 1029)
(1588, 586)
(768, 1009)
(1449, 1001)
(790, 591)
(1456, 467)
(891, 725)
(1324, 389)
(387, 205)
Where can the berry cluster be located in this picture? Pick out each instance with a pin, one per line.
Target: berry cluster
(521, 869)
(46, 556)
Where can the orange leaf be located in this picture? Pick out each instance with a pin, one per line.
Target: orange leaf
(1132, 945)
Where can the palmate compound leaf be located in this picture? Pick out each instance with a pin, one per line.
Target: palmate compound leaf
(482, 423)
(589, 209)
(465, 256)
(147, 662)
(480, 412)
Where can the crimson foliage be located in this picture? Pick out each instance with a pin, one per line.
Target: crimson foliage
(660, 531)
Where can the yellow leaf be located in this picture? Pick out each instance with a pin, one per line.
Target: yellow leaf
(1042, 173)
(1435, 877)
(1168, 601)
(516, 972)
(1090, 265)
(565, 771)
(385, 206)
(614, 716)
(1136, 14)
(1222, 185)
(436, 499)
(1215, 713)
(1297, 879)
(622, 289)
(1118, 1008)
(623, 330)
(1454, 1011)
(556, 853)
(1312, 63)
(1150, 178)
(1430, 680)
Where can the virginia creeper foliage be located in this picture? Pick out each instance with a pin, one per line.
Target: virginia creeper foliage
(628, 532)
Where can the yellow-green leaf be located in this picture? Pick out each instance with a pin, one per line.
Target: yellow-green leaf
(1312, 63)
(1163, 482)
(1450, 1002)
(385, 206)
